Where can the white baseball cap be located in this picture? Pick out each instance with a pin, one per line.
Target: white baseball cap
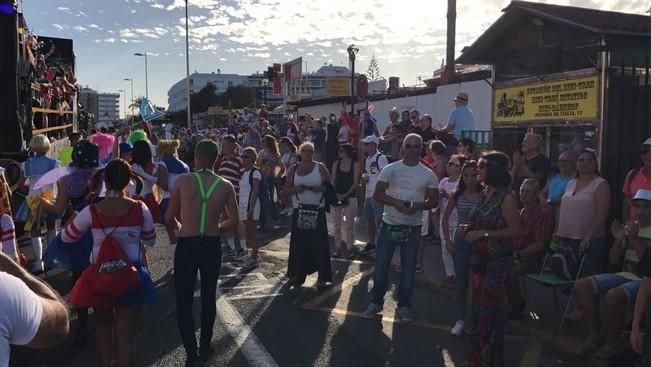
(371, 139)
(647, 142)
(642, 194)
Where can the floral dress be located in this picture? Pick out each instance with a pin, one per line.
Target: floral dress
(492, 264)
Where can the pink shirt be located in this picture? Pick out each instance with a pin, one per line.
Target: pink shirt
(578, 210)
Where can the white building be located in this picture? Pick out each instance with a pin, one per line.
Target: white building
(108, 108)
(176, 96)
(315, 84)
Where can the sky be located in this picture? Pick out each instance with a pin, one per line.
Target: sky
(407, 37)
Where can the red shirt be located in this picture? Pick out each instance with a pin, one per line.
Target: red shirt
(633, 184)
(536, 225)
(230, 169)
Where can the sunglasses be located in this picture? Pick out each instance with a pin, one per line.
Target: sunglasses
(412, 146)
(246, 157)
(646, 149)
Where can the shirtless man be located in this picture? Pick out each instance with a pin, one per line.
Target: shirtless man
(198, 247)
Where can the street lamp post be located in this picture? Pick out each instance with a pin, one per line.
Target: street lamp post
(187, 67)
(352, 51)
(124, 102)
(132, 101)
(146, 72)
(264, 83)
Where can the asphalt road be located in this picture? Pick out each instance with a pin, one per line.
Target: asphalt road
(262, 322)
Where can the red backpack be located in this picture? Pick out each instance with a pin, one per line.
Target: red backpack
(113, 273)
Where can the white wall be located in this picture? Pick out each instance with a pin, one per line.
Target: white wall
(438, 104)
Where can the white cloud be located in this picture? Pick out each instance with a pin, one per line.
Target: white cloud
(59, 26)
(82, 14)
(80, 28)
(158, 6)
(155, 32)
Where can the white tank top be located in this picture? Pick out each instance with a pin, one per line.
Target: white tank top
(308, 196)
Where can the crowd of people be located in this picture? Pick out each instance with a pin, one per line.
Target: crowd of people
(495, 216)
(52, 80)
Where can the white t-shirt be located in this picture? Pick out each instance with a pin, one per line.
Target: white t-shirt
(408, 183)
(447, 186)
(21, 311)
(374, 165)
(245, 189)
(342, 137)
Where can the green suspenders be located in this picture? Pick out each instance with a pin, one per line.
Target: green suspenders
(204, 199)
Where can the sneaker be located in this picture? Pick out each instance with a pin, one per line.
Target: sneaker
(276, 227)
(369, 247)
(419, 268)
(405, 314)
(290, 212)
(457, 330)
(228, 254)
(371, 311)
(38, 267)
(283, 212)
(241, 255)
(251, 262)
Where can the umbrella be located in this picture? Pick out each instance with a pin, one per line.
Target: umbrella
(53, 176)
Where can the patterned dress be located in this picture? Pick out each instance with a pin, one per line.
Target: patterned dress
(489, 280)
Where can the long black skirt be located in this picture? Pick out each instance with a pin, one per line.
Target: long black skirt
(309, 250)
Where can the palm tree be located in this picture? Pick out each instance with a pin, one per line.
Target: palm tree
(136, 104)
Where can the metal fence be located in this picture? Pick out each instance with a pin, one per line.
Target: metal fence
(628, 123)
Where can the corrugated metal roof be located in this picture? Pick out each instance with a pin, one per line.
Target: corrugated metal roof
(592, 20)
(599, 21)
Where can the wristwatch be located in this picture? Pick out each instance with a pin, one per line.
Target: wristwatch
(485, 235)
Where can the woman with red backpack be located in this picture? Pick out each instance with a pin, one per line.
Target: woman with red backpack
(117, 281)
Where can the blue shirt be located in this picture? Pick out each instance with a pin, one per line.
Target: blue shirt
(462, 119)
(557, 186)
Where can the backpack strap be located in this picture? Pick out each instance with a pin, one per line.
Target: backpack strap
(204, 199)
(95, 217)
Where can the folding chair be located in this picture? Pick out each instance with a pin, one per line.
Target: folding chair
(547, 278)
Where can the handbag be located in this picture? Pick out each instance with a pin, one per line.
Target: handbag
(113, 273)
(308, 216)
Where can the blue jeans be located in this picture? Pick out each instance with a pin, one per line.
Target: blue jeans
(383, 254)
(594, 257)
(461, 258)
(267, 202)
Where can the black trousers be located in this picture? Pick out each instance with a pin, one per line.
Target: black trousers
(196, 254)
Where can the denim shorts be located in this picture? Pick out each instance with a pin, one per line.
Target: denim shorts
(373, 209)
(608, 281)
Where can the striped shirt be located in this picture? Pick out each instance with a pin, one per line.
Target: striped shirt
(128, 230)
(536, 225)
(464, 207)
(231, 169)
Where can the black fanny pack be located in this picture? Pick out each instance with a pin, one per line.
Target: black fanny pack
(400, 233)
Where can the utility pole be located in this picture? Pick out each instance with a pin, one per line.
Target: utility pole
(187, 67)
(352, 51)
